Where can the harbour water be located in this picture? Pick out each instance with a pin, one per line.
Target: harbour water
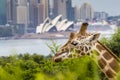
(31, 46)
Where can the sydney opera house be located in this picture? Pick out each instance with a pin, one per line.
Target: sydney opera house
(57, 24)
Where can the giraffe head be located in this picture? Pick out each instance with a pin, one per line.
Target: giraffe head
(84, 43)
(64, 51)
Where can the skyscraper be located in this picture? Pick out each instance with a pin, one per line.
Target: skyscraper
(55, 7)
(33, 13)
(41, 15)
(69, 10)
(60, 8)
(77, 12)
(100, 15)
(22, 11)
(27, 12)
(45, 8)
(38, 11)
(10, 11)
(86, 12)
(2, 12)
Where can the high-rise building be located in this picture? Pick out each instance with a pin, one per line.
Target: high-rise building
(72, 14)
(33, 13)
(55, 7)
(41, 15)
(86, 12)
(60, 8)
(100, 15)
(46, 9)
(11, 11)
(38, 11)
(27, 12)
(70, 10)
(22, 11)
(3, 12)
(77, 12)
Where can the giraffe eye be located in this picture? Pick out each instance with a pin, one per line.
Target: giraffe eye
(74, 43)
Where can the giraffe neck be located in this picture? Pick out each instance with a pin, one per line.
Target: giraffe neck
(107, 61)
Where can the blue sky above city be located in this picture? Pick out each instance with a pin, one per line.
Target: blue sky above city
(112, 7)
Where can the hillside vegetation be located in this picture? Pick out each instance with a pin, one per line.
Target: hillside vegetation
(38, 67)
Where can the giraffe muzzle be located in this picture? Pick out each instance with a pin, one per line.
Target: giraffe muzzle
(57, 59)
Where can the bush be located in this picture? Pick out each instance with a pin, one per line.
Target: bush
(113, 43)
(21, 68)
(71, 69)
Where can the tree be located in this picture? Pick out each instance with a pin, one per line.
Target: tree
(113, 43)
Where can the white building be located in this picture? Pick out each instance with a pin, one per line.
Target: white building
(56, 24)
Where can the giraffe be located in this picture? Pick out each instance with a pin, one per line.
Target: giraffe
(85, 44)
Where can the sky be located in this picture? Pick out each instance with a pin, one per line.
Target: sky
(112, 7)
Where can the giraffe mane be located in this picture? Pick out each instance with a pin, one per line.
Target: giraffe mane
(109, 51)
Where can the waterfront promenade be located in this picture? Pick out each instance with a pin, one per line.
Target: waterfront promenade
(47, 35)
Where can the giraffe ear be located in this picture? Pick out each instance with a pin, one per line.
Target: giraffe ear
(72, 35)
(94, 37)
(83, 28)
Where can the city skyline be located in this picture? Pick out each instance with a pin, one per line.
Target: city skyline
(37, 11)
(26, 15)
(111, 7)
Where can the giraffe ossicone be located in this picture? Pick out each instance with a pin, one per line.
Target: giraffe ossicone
(85, 43)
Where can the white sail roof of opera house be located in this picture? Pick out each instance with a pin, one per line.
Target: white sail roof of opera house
(57, 19)
(47, 22)
(66, 26)
(40, 28)
(54, 23)
(62, 23)
(57, 24)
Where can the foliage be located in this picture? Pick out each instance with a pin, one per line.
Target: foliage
(71, 70)
(113, 43)
(38, 67)
(53, 47)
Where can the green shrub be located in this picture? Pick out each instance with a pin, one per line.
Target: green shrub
(71, 69)
(113, 43)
